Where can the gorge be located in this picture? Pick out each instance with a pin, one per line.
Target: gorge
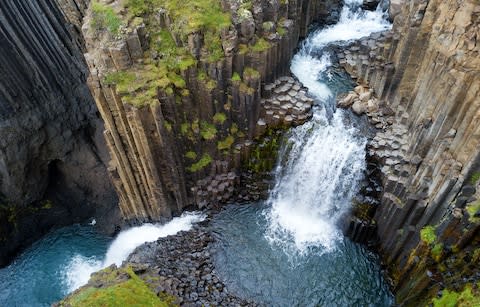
(199, 110)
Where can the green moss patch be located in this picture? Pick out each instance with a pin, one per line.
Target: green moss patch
(207, 131)
(130, 292)
(473, 209)
(261, 45)
(226, 143)
(427, 234)
(250, 73)
(236, 77)
(191, 155)
(201, 164)
(475, 178)
(466, 298)
(219, 118)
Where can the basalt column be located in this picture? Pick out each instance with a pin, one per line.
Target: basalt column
(52, 153)
(179, 86)
(426, 75)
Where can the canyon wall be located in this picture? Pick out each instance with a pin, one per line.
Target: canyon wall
(187, 90)
(52, 153)
(426, 75)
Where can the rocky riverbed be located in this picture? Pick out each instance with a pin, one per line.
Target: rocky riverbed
(179, 269)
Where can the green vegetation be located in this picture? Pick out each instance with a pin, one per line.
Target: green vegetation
(475, 178)
(202, 163)
(244, 88)
(236, 77)
(103, 17)
(281, 31)
(264, 154)
(268, 26)
(437, 251)
(476, 255)
(226, 143)
(219, 118)
(427, 235)
(243, 49)
(207, 131)
(191, 155)
(184, 127)
(261, 45)
(167, 126)
(466, 298)
(473, 209)
(140, 87)
(250, 73)
(131, 292)
(137, 7)
(189, 16)
(209, 83)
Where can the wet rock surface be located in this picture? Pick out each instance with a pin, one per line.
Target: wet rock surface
(182, 266)
(285, 104)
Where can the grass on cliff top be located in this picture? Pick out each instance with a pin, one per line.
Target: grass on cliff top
(132, 292)
(140, 87)
(104, 17)
(188, 16)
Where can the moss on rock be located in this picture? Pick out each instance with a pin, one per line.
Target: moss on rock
(116, 287)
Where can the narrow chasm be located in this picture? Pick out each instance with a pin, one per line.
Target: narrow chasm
(260, 153)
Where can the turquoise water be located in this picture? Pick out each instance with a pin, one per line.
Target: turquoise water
(348, 275)
(38, 277)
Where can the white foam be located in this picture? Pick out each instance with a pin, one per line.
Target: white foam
(78, 271)
(320, 172)
(352, 25)
(316, 185)
(308, 70)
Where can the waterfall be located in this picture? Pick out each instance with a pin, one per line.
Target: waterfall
(324, 158)
(78, 271)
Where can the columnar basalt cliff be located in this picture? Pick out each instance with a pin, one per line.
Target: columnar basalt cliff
(179, 86)
(426, 76)
(52, 153)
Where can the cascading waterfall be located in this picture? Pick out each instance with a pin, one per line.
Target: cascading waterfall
(63, 260)
(325, 158)
(78, 271)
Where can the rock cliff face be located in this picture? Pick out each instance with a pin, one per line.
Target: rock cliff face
(179, 86)
(426, 76)
(52, 155)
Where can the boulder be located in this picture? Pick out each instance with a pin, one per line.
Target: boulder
(347, 100)
(359, 107)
